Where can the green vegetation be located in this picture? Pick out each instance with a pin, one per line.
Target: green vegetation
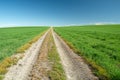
(13, 38)
(57, 72)
(99, 45)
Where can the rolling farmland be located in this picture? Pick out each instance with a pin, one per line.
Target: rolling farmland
(99, 45)
(13, 38)
(60, 40)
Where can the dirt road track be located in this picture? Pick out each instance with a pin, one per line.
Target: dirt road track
(74, 66)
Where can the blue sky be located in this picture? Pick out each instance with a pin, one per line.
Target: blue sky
(58, 12)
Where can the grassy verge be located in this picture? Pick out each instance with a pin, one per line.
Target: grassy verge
(57, 72)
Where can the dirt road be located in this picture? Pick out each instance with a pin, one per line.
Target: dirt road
(35, 65)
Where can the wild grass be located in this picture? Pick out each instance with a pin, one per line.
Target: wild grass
(57, 72)
(99, 45)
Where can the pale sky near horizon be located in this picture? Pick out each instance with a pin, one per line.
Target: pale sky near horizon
(58, 12)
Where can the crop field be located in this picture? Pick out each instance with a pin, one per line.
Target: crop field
(13, 38)
(98, 44)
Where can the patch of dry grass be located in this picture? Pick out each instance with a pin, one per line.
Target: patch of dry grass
(5, 64)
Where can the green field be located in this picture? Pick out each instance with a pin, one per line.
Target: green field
(98, 44)
(13, 38)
